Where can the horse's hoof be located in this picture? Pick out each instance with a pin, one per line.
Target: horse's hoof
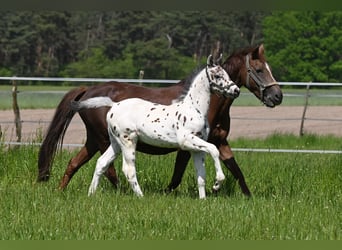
(43, 178)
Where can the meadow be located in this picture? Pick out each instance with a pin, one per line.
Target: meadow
(295, 196)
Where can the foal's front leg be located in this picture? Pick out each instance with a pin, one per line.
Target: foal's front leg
(200, 171)
(194, 143)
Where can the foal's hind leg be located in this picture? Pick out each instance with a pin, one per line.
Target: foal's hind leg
(128, 168)
(102, 165)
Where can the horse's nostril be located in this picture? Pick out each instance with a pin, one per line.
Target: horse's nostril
(279, 97)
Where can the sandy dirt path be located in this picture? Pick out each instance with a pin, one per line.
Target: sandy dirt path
(252, 122)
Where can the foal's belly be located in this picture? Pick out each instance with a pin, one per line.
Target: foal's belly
(159, 139)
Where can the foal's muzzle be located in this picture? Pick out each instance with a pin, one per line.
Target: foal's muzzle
(231, 91)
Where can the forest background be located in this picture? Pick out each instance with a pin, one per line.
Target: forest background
(302, 46)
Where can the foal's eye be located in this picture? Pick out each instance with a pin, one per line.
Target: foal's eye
(258, 71)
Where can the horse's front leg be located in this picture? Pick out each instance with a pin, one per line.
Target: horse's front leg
(102, 165)
(182, 160)
(228, 159)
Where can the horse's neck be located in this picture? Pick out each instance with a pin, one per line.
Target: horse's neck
(233, 67)
(198, 95)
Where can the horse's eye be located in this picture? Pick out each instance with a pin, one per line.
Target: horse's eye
(217, 77)
(258, 71)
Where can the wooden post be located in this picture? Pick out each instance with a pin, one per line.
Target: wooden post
(301, 131)
(16, 111)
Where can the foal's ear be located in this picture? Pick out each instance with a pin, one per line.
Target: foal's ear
(218, 60)
(210, 61)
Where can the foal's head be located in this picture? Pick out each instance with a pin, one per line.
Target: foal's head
(220, 82)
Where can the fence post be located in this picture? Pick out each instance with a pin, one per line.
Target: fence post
(141, 76)
(16, 111)
(301, 131)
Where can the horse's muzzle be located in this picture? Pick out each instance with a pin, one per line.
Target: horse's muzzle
(273, 96)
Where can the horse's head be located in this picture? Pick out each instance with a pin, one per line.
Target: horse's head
(220, 81)
(259, 79)
(249, 67)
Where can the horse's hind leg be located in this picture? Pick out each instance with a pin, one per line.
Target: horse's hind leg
(111, 175)
(228, 159)
(111, 172)
(85, 154)
(101, 166)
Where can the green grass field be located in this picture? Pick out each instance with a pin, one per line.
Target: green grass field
(295, 196)
(33, 97)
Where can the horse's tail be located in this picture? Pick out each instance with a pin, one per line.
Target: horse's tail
(95, 102)
(56, 131)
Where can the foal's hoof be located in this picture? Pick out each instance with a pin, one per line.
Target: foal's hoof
(217, 185)
(214, 191)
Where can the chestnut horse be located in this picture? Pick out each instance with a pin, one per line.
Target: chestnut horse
(246, 67)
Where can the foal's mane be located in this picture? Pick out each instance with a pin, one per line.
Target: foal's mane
(188, 81)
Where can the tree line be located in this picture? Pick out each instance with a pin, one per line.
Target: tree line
(300, 46)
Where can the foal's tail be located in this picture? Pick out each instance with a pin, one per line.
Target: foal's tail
(56, 131)
(95, 102)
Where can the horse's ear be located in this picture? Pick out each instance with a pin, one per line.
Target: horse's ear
(261, 50)
(258, 52)
(210, 61)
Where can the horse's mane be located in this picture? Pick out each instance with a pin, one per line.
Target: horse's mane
(233, 62)
(242, 51)
(188, 81)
